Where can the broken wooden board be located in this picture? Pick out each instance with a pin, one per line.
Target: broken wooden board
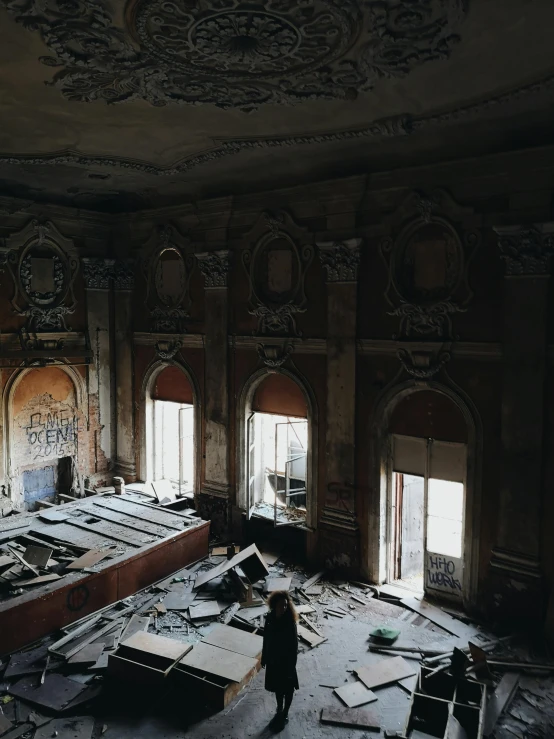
(312, 580)
(308, 636)
(38, 556)
(30, 662)
(314, 590)
(40, 580)
(273, 584)
(249, 614)
(500, 700)
(88, 655)
(454, 729)
(67, 728)
(270, 558)
(398, 592)
(136, 624)
(351, 718)
(53, 516)
(305, 608)
(56, 692)
(385, 672)
(179, 601)
(5, 563)
(250, 561)
(235, 640)
(409, 684)
(92, 557)
(204, 609)
(438, 617)
(152, 650)
(355, 694)
(220, 662)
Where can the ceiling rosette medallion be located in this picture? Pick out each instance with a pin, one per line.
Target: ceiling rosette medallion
(237, 54)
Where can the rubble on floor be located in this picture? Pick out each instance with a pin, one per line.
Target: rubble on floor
(199, 631)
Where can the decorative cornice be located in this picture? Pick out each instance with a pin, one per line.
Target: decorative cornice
(215, 267)
(97, 272)
(124, 274)
(526, 249)
(340, 259)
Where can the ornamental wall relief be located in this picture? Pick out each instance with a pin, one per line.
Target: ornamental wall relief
(167, 270)
(237, 54)
(43, 265)
(427, 251)
(276, 267)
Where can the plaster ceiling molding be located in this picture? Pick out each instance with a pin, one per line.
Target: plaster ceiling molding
(236, 54)
(276, 267)
(43, 265)
(167, 268)
(430, 242)
(526, 249)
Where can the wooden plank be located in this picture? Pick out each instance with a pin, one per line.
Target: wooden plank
(312, 581)
(131, 522)
(92, 557)
(26, 663)
(21, 561)
(235, 640)
(178, 601)
(220, 662)
(38, 556)
(178, 514)
(112, 531)
(438, 617)
(305, 608)
(384, 672)
(56, 692)
(18, 731)
(249, 560)
(355, 694)
(409, 683)
(136, 624)
(153, 650)
(277, 583)
(38, 580)
(88, 655)
(351, 718)
(53, 516)
(308, 636)
(204, 609)
(500, 700)
(67, 728)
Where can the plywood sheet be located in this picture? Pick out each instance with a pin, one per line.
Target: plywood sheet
(438, 617)
(305, 608)
(250, 561)
(88, 655)
(204, 609)
(136, 624)
(350, 717)
(38, 580)
(235, 640)
(144, 645)
(38, 556)
(355, 694)
(385, 672)
(277, 583)
(179, 601)
(56, 692)
(220, 662)
(309, 636)
(92, 557)
(53, 516)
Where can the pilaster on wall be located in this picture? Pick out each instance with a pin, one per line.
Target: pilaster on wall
(124, 280)
(338, 523)
(515, 563)
(97, 275)
(213, 500)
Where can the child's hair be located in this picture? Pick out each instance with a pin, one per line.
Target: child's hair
(278, 595)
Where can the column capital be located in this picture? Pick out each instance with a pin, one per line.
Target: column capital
(214, 266)
(97, 272)
(124, 274)
(340, 259)
(526, 249)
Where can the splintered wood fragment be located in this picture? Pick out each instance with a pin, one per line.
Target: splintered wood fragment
(355, 694)
(334, 613)
(312, 581)
(500, 700)
(359, 600)
(312, 639)
(351, 718)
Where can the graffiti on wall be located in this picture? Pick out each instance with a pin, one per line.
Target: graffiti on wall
(443, 573)
(45, 429)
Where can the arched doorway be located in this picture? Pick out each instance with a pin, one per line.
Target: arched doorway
(277, 450)
(427, 438)
(171, 418)
(42, 429)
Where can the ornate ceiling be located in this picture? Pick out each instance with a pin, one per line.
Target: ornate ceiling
(152, 101)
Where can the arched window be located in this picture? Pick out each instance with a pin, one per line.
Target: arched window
(277, 450)
(170, 429)
(427, 493)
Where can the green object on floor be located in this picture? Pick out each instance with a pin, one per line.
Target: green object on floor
(384, 635)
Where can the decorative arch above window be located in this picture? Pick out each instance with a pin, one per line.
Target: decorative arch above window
(43, 265)
(167, 270)
(276, 266)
